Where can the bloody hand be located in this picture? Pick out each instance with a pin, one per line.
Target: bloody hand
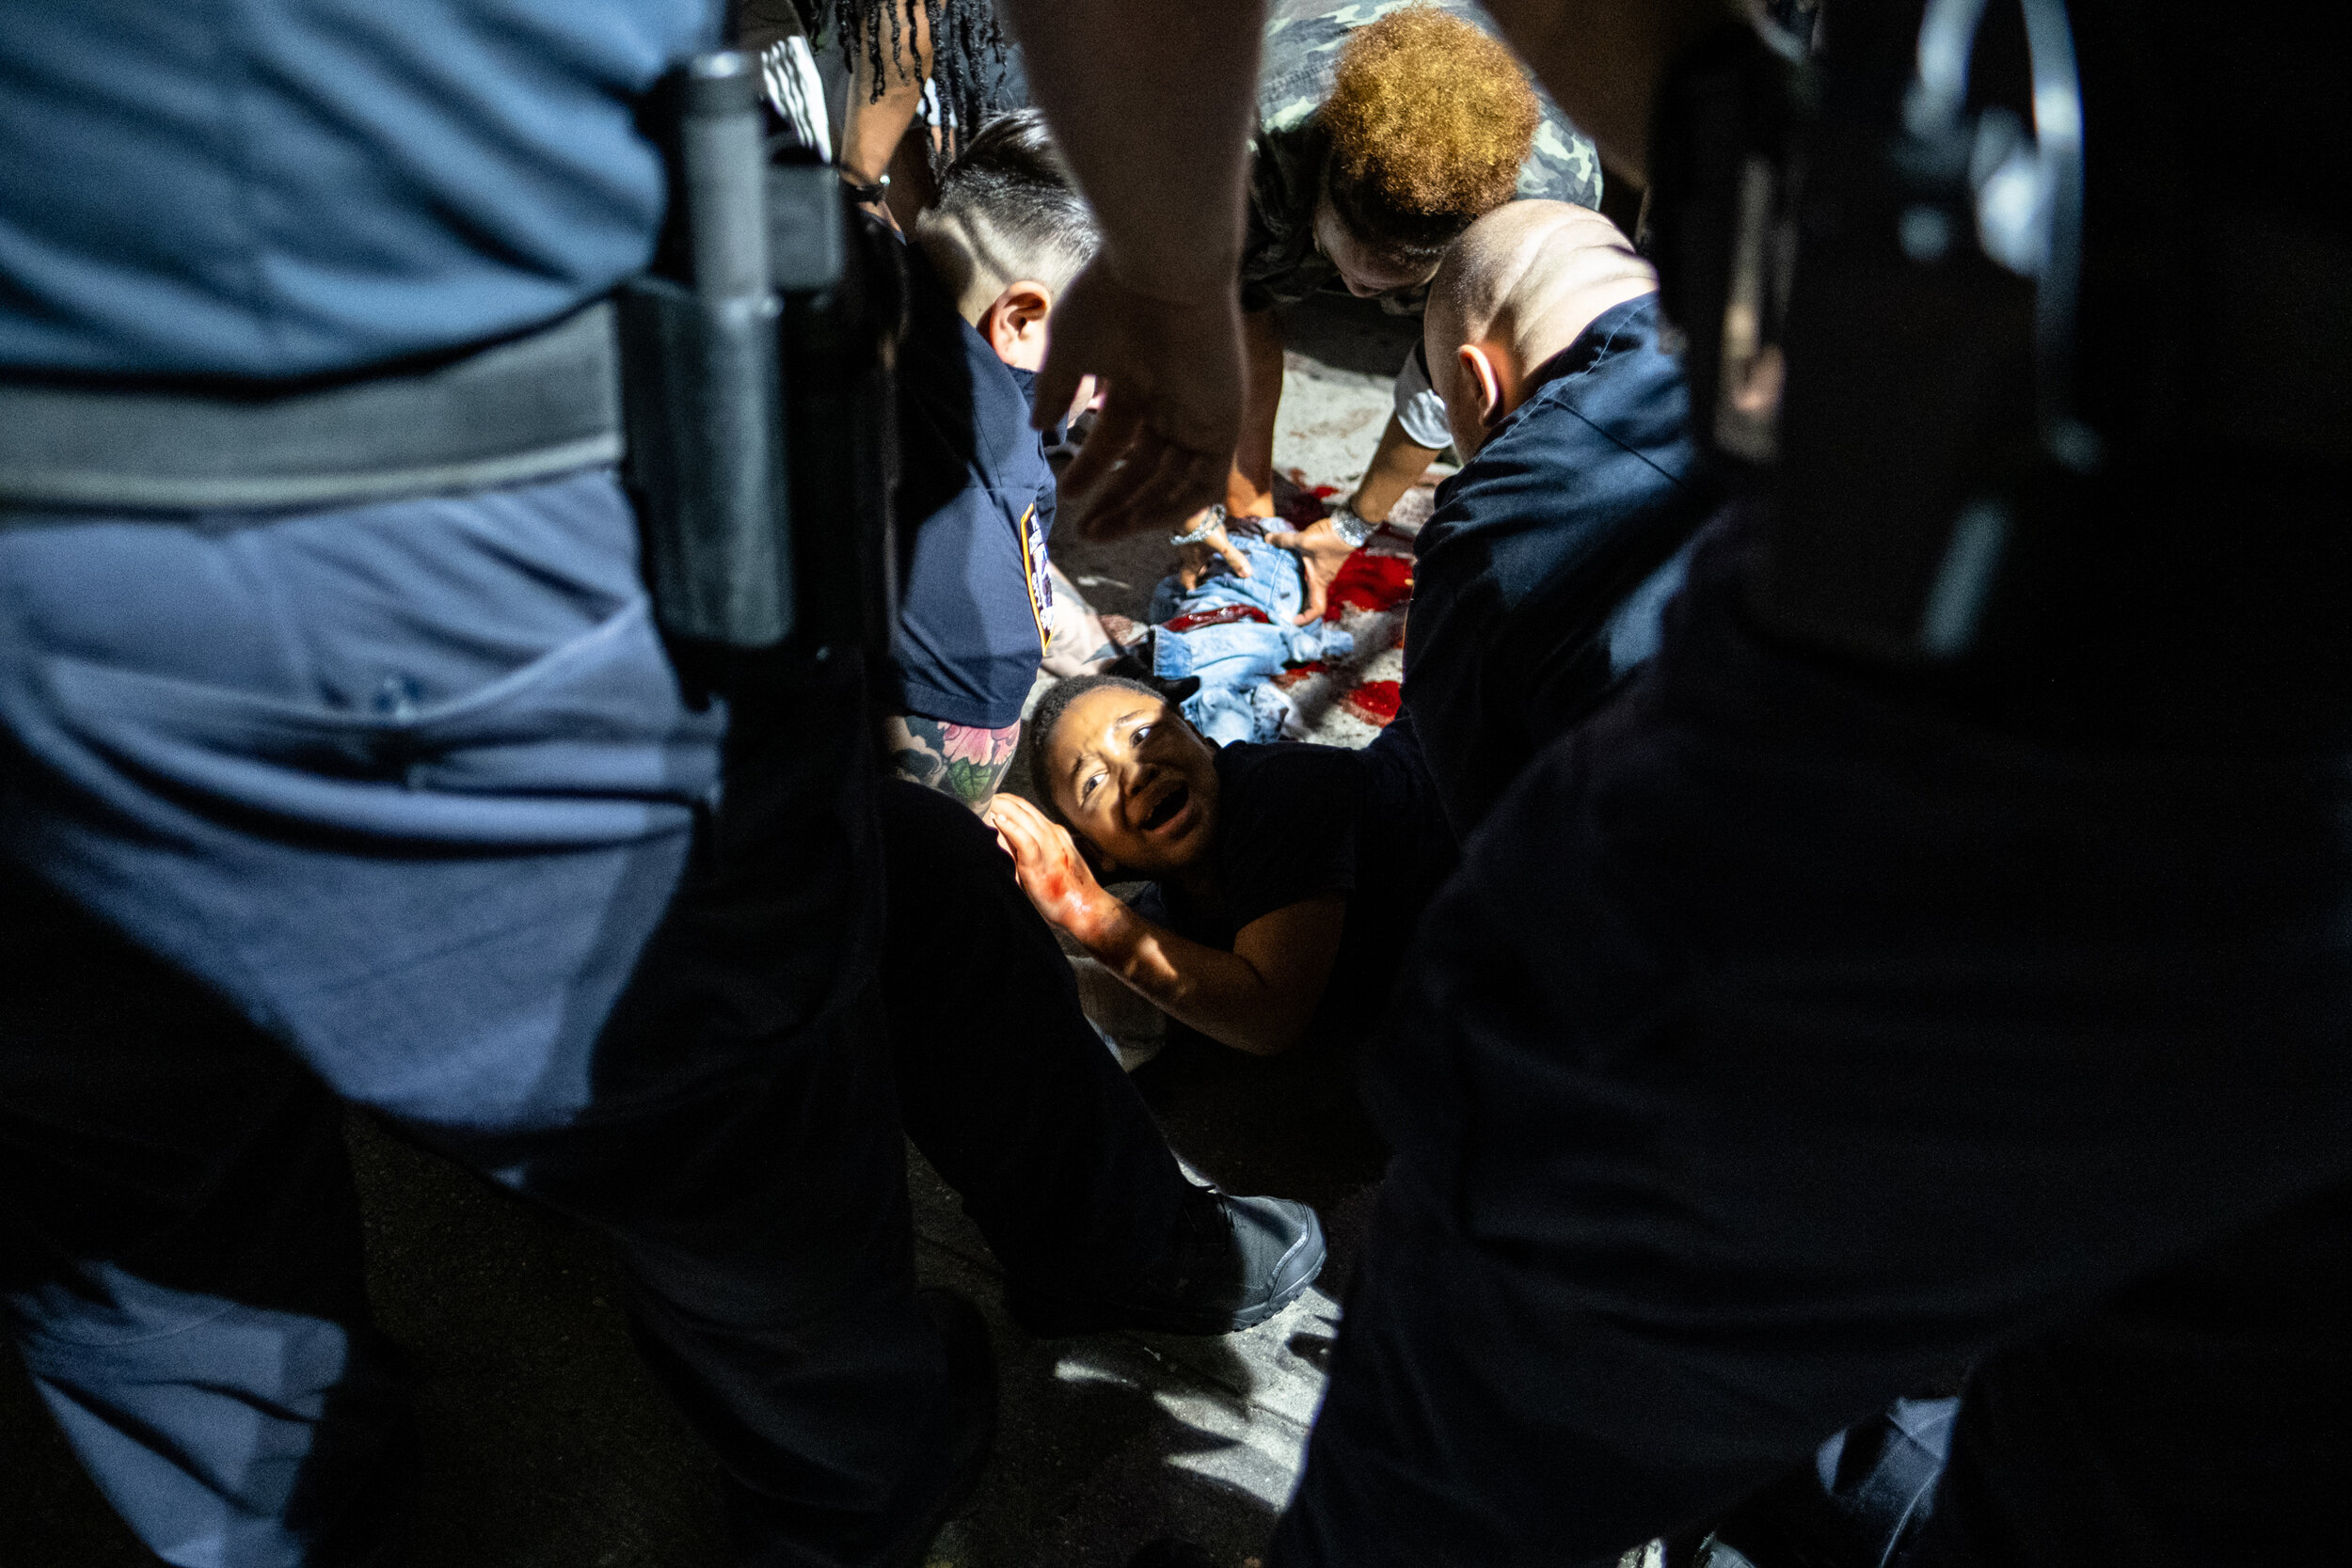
(1050, 871)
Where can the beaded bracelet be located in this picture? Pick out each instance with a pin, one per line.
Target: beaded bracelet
(1211, 521)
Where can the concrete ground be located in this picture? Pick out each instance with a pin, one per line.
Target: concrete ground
(548, 1447)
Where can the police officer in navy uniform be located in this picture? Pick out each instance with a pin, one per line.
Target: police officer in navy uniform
(341, 761)
(1540, 578)
(1807, 1023)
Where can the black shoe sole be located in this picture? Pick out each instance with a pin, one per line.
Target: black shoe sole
(1055, 1318)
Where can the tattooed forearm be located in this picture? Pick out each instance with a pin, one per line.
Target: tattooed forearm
(960, 760)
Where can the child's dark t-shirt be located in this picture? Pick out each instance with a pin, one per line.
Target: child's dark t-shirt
(1298, 821)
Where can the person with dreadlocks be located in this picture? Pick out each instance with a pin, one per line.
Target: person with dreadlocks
(1384, 130)
(948, 61)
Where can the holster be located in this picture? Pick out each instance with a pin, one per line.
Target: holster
(757, 358)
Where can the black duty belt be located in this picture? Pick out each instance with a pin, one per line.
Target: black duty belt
(525, 408)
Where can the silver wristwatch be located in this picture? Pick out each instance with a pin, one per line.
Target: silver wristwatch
(1351, 528)
(1210, 522)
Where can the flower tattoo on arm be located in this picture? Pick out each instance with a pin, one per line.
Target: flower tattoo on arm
(963, 761)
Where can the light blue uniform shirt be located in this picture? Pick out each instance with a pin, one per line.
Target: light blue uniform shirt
(286, 187)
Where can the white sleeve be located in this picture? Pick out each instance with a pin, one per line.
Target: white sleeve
(1420, 411)
(787, 72)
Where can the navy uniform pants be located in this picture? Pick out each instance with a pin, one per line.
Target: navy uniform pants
(406, 806)
(1785, 1045)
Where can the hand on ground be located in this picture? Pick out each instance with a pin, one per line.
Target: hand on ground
(1321, 553)
(1170, 375)
(1046, 860)
(1193, 560)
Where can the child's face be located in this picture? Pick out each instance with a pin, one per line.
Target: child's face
(1129, 775)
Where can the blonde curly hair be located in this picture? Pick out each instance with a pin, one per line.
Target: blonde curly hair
(1429, 120)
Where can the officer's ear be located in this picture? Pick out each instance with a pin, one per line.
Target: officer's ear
(1014, 324)
(1483, 380)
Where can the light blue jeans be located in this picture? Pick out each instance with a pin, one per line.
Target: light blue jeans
(1236, 659)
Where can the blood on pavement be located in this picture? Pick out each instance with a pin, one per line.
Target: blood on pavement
(1374, 702)
(1369, 581)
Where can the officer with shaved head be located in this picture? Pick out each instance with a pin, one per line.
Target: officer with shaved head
(1543, 571)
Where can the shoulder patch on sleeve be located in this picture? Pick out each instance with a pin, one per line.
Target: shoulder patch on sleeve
(1033, 568)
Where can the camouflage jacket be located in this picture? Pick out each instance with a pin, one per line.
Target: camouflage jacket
(1280, 264)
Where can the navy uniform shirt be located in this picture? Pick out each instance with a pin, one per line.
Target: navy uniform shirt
(273, 188)
(1539, 578)
(975, 503)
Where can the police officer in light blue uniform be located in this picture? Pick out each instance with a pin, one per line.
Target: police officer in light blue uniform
(339, 758)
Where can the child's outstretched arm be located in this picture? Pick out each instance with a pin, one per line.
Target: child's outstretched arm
(1257, 998)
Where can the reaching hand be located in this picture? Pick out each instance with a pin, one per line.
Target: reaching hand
(1321, 554)
(1046, 860)
(1192, 561)
(1171, 402)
